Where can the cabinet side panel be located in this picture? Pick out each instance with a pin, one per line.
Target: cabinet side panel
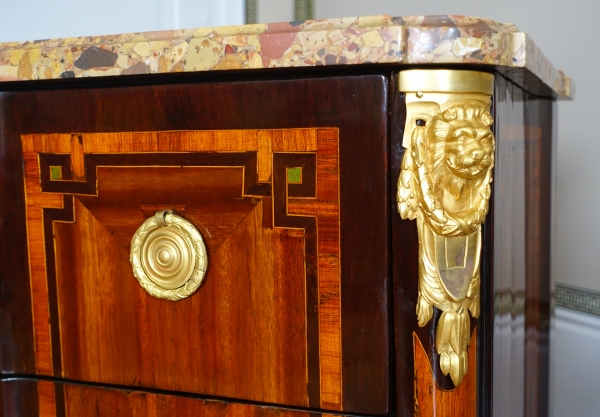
(521, 252)
(16, 326)
(509, 252)
(539, 138)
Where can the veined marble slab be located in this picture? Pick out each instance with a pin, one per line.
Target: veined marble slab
(346, 41)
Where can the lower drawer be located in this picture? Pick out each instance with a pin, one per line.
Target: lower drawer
(32, 398)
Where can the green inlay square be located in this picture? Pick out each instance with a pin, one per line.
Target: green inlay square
(55, 173)
(294, 175)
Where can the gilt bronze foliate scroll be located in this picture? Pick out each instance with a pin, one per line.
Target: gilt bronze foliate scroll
(444, 183)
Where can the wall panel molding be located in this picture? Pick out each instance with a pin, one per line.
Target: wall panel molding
(579, 299)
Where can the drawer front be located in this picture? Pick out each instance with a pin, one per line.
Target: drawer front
(266, 323)
(292, 208)
(31, 398)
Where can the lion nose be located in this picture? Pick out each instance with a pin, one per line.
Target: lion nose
(477, 155)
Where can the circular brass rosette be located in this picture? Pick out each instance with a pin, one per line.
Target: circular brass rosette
(168, 256)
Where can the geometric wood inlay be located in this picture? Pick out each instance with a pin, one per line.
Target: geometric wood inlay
(234, 187)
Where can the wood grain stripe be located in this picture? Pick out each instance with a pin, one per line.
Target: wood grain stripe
(46, 399)
(294, 140)
(77, 162)
(328, 165)
(265, 155)
(51, 143)
(329, 271)
(35, 202)
(326, 208)
(309, 207)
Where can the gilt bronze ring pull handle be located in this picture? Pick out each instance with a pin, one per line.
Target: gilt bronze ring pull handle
(168, 256)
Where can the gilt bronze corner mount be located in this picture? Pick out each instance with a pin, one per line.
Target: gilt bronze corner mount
(444, 184)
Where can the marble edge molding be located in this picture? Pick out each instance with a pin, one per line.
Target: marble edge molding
(344, 41)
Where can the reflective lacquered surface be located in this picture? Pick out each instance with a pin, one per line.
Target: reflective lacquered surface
(518, 254)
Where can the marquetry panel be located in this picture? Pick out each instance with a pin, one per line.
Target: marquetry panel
(266, 323)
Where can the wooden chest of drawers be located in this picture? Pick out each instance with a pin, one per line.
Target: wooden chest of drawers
(304, 278)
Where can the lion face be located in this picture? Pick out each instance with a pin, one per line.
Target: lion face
(460, 153)
(468, 148)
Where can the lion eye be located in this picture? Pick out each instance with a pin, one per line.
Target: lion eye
(486, 140)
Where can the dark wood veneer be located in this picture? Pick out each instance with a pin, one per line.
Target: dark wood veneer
(538, 202)
(405, 266)
(378, 249)
(523, 126)
(356, 105)
(18, 397)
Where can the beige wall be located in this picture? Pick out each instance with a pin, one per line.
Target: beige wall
(275, 11)
(39, 19)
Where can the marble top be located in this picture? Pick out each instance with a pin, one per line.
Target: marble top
(346, 41)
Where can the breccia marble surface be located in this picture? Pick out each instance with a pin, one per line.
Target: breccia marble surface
(345, 41)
